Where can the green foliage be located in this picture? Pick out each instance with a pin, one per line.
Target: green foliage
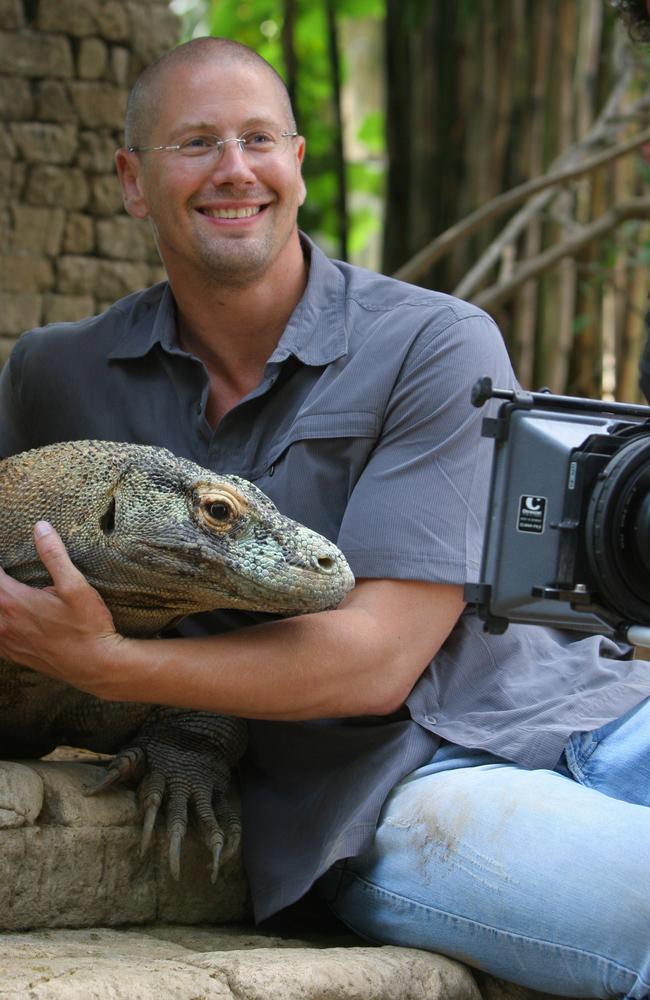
(258, 24)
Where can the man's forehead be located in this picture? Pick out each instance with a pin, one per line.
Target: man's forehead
(209, 93)
(222, 78)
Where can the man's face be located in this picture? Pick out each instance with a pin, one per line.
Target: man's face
(228, 218)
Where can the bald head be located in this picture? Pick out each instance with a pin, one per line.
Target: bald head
(150, 88)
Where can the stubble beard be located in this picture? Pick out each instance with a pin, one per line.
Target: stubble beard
(239, 262)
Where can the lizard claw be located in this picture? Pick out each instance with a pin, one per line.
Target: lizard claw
(184, 761)
(125, 766)
(152, 793)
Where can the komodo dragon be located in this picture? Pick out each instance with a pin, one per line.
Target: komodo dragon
(160, 538)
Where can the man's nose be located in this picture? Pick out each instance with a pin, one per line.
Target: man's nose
(233, 163)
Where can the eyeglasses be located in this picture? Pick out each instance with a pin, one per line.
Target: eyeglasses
(252, 144)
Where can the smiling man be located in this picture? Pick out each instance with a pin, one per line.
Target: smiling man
(483, 796)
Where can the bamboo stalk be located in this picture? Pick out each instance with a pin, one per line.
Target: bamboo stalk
(525, 321)
(341, 181)
(558, 342)
(608, 119)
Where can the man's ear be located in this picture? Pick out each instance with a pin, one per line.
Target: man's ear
(300, 156)
(129, 171)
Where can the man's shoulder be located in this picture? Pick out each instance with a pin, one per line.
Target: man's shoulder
(101, 332)
(377, 292)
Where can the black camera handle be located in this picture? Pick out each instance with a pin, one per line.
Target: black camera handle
(482, 390)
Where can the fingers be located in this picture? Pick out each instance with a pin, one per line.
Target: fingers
(52, 553)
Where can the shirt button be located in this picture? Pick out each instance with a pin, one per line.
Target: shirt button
(270, 470)
(431, 719)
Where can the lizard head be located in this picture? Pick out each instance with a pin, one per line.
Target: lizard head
(161, 538)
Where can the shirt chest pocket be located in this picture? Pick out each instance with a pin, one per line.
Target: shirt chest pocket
(313, 468)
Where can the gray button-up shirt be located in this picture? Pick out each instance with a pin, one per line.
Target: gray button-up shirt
(362, 428)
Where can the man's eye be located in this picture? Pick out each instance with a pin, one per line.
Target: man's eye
(259, 140)
(197, 144)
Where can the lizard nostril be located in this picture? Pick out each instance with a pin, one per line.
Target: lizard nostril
(325, 563)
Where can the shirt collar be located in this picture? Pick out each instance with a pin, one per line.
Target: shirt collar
(315, 334)
(151, 321)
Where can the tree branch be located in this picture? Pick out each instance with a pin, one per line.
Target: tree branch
(496, 295)
(423, 260)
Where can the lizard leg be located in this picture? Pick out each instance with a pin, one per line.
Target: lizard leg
(183, 762)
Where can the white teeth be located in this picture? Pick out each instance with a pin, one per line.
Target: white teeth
(232, 213)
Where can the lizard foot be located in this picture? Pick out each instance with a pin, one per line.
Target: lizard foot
(183, 760)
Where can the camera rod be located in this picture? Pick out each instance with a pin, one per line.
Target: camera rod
(482, 390)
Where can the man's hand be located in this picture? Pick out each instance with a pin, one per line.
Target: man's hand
(61, 630)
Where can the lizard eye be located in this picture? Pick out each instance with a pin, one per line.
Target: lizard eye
(219, 511)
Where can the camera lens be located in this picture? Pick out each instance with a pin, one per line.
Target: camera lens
(617, 531)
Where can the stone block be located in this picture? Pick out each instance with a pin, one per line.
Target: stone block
(106, 195)
(67, 308)
(19, 312)
(5, 231)
(36, 55)
(17, 180)
(123, 238)
(238, 963)
(21, 795)
(12, 15)
(97, 152)
(99, 105)
(7, 145)
(66, 16)
(76, 862)
(152, 34)
(42, 142)
(92, 60)
(77, 275)
(26, 274)
(53, 102)
(5, 182)
(121, 66)
(15, 99)
(79, 234)
(116, 279)
(113, 21)
(56, 186)
(37, 231)
(105, 280)
(92, 17)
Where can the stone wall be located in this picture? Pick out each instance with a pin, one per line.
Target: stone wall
(67, 248)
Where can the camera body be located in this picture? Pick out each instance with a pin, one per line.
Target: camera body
(568, 530)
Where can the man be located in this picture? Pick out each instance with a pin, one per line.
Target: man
(345, 396)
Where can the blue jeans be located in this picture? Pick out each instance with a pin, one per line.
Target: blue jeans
(539, 877)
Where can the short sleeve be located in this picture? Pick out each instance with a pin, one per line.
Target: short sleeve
(14, 422)
(418, 509)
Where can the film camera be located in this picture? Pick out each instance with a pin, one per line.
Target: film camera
(568, 532)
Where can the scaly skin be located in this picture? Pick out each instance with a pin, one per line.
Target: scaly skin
(160, 538)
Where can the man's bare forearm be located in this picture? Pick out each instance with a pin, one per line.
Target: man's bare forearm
(360, 659)
(333, 663)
